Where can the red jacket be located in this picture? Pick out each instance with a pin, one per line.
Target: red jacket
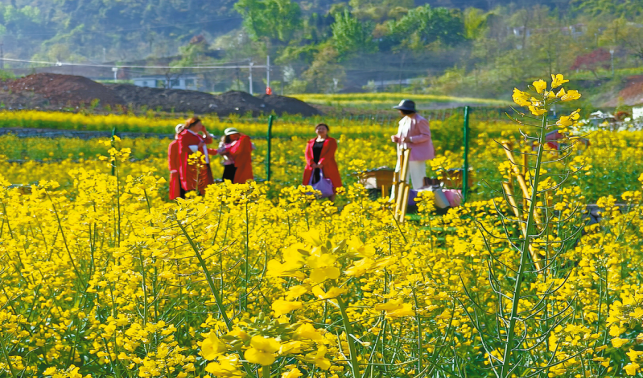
(173, 164)
(188, 173)
(326, 160)
(242, 155)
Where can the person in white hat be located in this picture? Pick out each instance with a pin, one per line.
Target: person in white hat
(238, 148)
(228, 161)
(413, 133)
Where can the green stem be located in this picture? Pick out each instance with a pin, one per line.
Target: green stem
(247, 268)
(62, 233)
(118, 210)
(208, 277)
(213, 289)
(12, 370)
(509, 346)
(265, 371)
(349, 339)
(419, 341)
(217, 298)
(144, 287)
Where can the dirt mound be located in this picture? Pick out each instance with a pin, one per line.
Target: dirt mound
(65, 89)
(242, 102)
(168, 99)
(201, 102)
(289, 105)
(52, 91)
(24, 100)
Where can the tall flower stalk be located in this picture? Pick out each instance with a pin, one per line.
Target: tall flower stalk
(522, 341)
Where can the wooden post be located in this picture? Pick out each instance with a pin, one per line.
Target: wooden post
(402, 188)
(521, 180)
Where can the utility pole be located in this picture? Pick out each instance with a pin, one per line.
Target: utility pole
(250, 77)
(115, 69)
(268, 74)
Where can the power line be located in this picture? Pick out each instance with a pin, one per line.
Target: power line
(60, 64)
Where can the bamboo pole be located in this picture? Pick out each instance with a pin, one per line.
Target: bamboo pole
(521, 179)
(402, 189)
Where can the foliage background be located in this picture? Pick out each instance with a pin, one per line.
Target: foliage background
(469, 47)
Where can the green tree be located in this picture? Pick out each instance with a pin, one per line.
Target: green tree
(20, 21)
(629, 9)
(351, 36)
(424, 25)
(277, 20)
(324, 74)
(475, 23)
(378, 10)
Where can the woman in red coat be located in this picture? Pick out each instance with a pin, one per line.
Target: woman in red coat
(240, 151)
(320, 154)
(174, 164)
(189, 143)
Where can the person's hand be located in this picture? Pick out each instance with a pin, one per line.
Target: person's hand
(395, 139)
(201, 144)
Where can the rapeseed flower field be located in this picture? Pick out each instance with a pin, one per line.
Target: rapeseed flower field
(100, 276)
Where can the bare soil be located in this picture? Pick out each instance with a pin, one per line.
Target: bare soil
(65, 90)
(53, 91)
(631, 94)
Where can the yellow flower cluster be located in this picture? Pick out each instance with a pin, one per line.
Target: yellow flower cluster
(384, 100)
(101, 277)
(113, 281)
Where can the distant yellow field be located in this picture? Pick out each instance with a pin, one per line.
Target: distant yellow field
(384, 99)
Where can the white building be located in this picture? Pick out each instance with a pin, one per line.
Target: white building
(160, 81)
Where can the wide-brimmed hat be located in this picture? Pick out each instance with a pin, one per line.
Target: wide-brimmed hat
(406, 105)
(230, 131)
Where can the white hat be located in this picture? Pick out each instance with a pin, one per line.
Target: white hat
(178, 128)
(230, 131)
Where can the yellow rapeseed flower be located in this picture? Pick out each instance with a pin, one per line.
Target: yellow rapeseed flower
(262, 350)
(557, 80)
(540, 85)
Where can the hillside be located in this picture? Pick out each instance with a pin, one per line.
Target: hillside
(467, 48)
(133, 29)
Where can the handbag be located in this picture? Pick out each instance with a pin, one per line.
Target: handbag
(324, 185)
(454, 196)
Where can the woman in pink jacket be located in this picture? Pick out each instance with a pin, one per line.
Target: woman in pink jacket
(413, 132)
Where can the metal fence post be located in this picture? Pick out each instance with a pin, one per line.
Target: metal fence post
(465, 168)
(269, 147)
